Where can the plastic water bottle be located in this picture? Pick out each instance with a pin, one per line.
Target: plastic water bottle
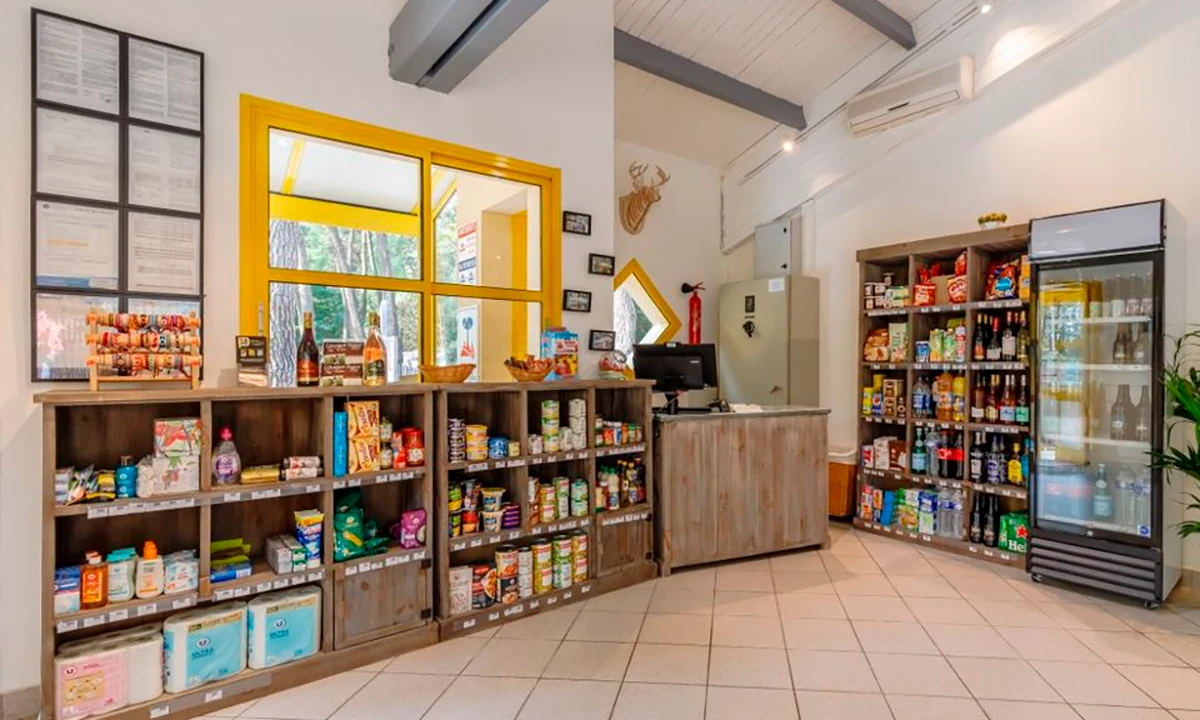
(1141, 504)
(956, 519)
(945, 512)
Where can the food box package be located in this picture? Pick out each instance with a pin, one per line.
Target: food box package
(362, 419)
(341, 449)
(875, 349)
(562, 346)
(309, 529)
(175, 474)
(363, 455)
(341, 352)
(349, 375)
(897, 342)
(285, 554)
(881, 454)
(893, 388)
(175, 437)
(66, 590)
(898, 455)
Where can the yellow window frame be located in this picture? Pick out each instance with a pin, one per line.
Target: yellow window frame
(259, 116)
(655, 298)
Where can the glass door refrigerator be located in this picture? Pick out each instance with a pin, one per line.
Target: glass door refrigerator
(1097, 504)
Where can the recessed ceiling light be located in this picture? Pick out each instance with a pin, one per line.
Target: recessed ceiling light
(788, 145)
(985, 8)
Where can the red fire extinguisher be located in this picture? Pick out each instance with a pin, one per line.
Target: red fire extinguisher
(693, 312)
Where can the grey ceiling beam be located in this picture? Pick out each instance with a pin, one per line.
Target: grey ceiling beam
(883, 19)
(703, 79)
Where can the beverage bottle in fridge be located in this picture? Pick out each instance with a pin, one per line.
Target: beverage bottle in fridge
(977, 458)
(932, 445)
(1124, 499)
(1142, 495)
(919, 459)
(1140, 354)
(1095, 299)
(1146, 308)
(1102, 499)
(1141, 416)
(1121, 347)
(1133, 299)
(976, 532)
(1116, 297)
(991, 520)
(1117, 414)
(1098, 411)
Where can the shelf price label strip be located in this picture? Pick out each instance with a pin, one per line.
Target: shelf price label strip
(500, 612)
(366, 566)
(161, 604)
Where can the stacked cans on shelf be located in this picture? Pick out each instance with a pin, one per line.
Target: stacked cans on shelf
(557, 499)
(519, 573)
(554, 437)
(457, 442)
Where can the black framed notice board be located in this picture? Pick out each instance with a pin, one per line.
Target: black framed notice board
(117, 202)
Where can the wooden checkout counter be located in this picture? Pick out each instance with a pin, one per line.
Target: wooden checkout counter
(735, 485)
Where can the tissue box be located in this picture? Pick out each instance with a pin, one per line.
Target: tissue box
(66, 590)
(176, 437)
(175, 474)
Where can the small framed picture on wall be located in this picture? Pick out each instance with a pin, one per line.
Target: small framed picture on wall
(577, 223)
(577, 301)
(603, 340)
(602, 264)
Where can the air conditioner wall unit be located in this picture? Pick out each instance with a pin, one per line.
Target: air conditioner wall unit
(912, 98)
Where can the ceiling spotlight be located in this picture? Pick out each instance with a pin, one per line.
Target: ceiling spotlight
(985, 8)
(788, 145)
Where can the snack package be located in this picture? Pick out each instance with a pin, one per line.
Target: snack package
(960, 264)
(309, 525)
(175, 437)
(957, 289)
(876, 347)
(1003, 280)
(897, 342)
(362, 419)
(924, 294)
(410, 531)
(364, 455)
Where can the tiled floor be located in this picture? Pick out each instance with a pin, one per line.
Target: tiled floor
(869, 629)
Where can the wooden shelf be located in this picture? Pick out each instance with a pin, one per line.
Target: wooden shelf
(477, 540)
(122, 611)
(394, 556)
(608, 450)
(262, 580)
(896, 475)
(1004, 490)
(886, 365)
(634, 513)
(382, 477)
(1000, 366)
(939, 309)
(938, 482)
(548, 458)
(884, 420)
(1009, 304)
(942, 366)
(998, 429)
(938, 424)
(476, 466)
(961, 547)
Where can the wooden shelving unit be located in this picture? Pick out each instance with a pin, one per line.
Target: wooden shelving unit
(904, 261)
(373, 607)
(619, 553)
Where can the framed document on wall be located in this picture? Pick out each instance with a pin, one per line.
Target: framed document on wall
(117, 211)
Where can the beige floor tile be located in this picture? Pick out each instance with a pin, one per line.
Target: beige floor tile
(640, 701)
(1047, 592)
(980, 641)
(802, 561)
(792, 605)
(1125, 648)
(803, 583)
(738, 703)
(847, 544)
(849, 564)
(894, 637)
(1184, 647)
(744, 631)
(861, 585)
(673, 629)
(1013, 613)
(984, 588)
(234, 710)
(314, 701)
(1082, 616)
(1187, 714)
(920, 586)
(758, 564)
(913, 707)
(944, 611)
(842, 706)
(1090, 683)
(868, 607)
(732, 578)
(675, 664)
(915, 566)
(956, 568)
(570, 700)
(494, 698)
(1048, 644)
(630, 599)
(1148, 621)
(907, 674)
(1019, 710)
(690, 579)
(445, 658)
(589, 661)
(1111, 712)
(1173, 688)
(749, 667)
(687, 602)
(1002, 679)
(374, 667)
(830, 670)
(601, 626)
(512, 658)
(737, 602)
(394, 697)
(819, 634)
(552, 625)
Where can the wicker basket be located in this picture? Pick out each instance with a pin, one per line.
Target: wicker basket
(528, 375)
(447, 373)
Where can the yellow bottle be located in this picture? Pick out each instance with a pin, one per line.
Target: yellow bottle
(93, 585)
(1014, 466)
(374, 354)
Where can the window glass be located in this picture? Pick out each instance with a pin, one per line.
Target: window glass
(488, 230)
(639, 318)
(340, 313)
(486, 333)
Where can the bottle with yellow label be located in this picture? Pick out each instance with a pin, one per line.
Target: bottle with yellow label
(374, 354)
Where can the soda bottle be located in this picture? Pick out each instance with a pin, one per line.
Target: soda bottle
(976, 533)
(1102, 500)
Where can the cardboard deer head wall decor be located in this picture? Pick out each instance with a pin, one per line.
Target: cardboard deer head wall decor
(636, 204)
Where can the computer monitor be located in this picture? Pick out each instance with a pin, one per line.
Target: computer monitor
(675, 367)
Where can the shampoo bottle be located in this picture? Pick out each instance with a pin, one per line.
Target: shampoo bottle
(149, 572)
(93, 588)
(121, 568)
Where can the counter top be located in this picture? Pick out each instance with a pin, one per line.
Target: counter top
(768, 411)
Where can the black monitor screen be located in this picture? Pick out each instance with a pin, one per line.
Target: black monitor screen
(674, 367)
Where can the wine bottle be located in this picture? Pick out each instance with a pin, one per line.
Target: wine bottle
(374, 354)
(1141, 416)
(308, 364)
(1023, 340)
(994, 342)
(991, 411)
(1014, 466)
(991, 522)
(976, 531)
(1008, 403)
(1118, 418)
(994, 461)
(1008, 341)
(1022, 409)
(979, 351)
(979, 402)
(977, 458)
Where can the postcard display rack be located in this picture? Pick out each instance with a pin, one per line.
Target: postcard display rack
(619, 541)
(117, 204)
(902, 264)
(373, 607)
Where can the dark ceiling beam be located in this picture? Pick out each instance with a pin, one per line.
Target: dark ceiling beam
(883, 19)
(691, 74)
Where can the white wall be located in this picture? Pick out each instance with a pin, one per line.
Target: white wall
(1107, 119)
(545, 96)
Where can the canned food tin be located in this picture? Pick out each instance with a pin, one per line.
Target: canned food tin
(543, 579)
(579, 570)
(506, 561)
(483, 586)
(550, 443)
(535, 444)
(549, 410)
(543, 555)
(525, 561)
(550, 427)
(562, 494)
(562, 575)
(549, 503)
(560, 547)
(579, 544)
(460, 589)
(509, 590)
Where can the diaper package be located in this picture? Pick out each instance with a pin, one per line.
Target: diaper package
(201, 646)
(284, 626)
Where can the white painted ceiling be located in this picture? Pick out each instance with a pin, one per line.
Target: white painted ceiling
(794, 49)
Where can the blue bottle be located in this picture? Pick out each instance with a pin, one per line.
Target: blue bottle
(126, 477)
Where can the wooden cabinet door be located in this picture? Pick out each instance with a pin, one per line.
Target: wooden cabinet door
(375, 604)
(623, 545)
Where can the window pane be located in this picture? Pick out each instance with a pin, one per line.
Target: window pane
(636, 319)
(340, 313)
(343, 208)
(486, 333)
(488, 230)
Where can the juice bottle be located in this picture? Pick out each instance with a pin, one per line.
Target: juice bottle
(374, 355)
(93, 588)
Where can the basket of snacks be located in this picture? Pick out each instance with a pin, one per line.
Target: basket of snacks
(530, 369)
(991, 221)
(446, 373)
